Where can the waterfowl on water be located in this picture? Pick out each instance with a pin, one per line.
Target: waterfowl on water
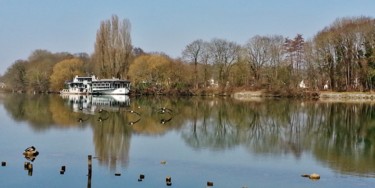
(30, 151)
(312, 176)
(163, 110)
(102, 110)
(134, 112)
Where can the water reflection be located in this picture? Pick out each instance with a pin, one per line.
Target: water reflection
(90, 103)
(339, 135)
(105, 113)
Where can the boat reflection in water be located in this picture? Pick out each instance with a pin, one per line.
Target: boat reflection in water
(114, 134)
(90, 103)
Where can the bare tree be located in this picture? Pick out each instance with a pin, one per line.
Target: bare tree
(224, 55)
(294, 49)
(193, 54)
(205, 57)
(113, 48)
(346, 50)
(15, 76)
(277, 60)
(258, 54)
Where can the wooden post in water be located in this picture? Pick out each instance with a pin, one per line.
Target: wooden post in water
(25, 165)
(90, 171)
(62, 171)
(90, 165)
(168, 181)
(30, 169)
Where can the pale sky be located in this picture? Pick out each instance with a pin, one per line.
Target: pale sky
(161, 25)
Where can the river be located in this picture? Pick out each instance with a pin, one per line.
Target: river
(194, 140)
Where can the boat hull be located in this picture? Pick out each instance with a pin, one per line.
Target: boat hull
(117, 91)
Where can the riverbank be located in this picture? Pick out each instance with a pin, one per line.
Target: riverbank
(322, 96)
(258, 95)
(347, 96)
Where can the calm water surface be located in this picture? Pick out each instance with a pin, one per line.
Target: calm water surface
(231, 143)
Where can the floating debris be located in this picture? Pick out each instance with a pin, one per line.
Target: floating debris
(210, 184)
(163, 162)
(117, 174)
(3, 163)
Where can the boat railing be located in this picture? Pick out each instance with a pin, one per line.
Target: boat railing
(64, 91)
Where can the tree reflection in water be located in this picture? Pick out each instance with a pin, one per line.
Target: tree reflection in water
(339, 132)
(340, 135)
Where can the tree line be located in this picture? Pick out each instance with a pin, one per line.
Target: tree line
(340, 57)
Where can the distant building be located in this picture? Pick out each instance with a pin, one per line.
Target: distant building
(325, 87)
(212, 83)
(302, 84)
(2, 85)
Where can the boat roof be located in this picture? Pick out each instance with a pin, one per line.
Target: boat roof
(78, 79)
(110, 80)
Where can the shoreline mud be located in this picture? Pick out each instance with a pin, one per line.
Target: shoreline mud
(323, 96)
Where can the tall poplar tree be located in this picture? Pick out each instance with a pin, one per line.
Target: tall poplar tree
(113, 48)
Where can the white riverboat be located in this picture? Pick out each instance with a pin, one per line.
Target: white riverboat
(95, 86)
